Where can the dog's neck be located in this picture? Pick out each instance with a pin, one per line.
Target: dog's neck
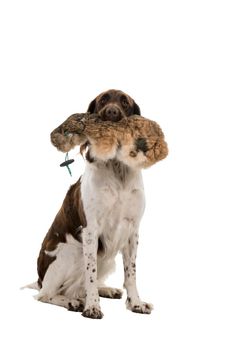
(120, 171)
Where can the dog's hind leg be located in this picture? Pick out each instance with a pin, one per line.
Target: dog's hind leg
(63, 279)
(108, 292)
(62, 300)
(104, 269)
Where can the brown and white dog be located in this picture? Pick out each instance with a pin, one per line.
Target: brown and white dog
(99, 217)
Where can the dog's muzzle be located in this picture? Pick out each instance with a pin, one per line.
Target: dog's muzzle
(111, 113)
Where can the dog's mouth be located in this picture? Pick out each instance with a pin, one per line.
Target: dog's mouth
(111, 113)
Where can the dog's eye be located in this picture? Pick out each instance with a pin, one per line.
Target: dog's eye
(125, 103)
(103, 100)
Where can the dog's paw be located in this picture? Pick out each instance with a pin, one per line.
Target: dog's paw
(112, 293)
(93, 312)
(76, 305)
(139, 307)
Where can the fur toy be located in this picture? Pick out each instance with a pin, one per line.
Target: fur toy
(135, 141)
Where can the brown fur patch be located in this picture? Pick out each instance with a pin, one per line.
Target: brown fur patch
(68, 220)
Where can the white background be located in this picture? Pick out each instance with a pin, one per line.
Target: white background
(175, 59)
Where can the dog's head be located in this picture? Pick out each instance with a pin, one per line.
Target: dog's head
(113, 105)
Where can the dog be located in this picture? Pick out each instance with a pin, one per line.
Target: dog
(99, 217)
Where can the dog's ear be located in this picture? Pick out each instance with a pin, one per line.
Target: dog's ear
(91, 107)
(136, 109)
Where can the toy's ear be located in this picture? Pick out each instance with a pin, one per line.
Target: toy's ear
(136, 109)
(91, 107)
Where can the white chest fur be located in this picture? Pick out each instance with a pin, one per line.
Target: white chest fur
(113, 201)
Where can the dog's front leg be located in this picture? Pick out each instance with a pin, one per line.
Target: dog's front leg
(133, 301)
(92, 307)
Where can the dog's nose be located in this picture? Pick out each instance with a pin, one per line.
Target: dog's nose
(112, 113)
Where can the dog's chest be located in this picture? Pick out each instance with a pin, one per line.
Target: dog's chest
(113, 200)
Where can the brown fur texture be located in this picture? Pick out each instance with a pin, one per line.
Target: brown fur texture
(70, 218)
(133, 134)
